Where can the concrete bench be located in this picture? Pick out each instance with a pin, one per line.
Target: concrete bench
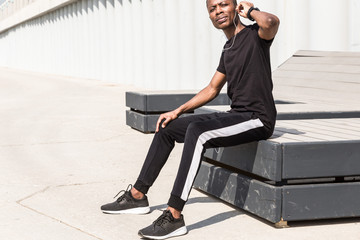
(308, 170)
(146, 106)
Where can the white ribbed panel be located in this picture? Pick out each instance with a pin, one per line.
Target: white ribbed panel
(149, 51)
(158, 44)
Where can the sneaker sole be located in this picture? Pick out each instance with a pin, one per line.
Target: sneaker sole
(139, 210)
(177, 232)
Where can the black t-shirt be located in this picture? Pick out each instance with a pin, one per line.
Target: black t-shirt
(248, 74)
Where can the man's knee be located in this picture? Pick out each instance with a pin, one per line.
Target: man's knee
(169, 130)
(175, 130)
(166, 129)
(194, 129)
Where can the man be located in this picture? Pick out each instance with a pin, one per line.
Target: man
(245, 67)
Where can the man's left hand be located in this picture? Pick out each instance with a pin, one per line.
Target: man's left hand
(169, 116)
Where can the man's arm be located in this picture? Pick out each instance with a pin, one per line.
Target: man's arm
(203, 97)
(268, 23)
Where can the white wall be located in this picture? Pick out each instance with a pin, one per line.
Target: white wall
(160, 44)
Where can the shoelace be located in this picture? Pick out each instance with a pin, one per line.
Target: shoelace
(123, 195)
(164, 218)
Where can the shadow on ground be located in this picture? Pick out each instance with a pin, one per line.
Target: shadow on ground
(206, 222)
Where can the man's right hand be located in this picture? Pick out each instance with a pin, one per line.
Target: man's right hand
(243, 7)
(169, 116)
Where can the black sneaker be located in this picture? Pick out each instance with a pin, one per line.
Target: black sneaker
(165, 226)
(127, 204)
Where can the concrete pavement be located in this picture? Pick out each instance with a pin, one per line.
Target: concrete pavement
(65, 150)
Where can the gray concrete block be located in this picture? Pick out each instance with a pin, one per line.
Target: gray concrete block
(321, 201)
(299, 160)
(287, 202)
(321, 159)
(163, 101)
(262, 158)
(143, 123)
(261, 199)
(136, 100)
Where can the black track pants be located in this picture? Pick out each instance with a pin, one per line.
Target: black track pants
(197, 132)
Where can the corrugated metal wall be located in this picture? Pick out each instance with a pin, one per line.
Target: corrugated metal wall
(163, 44)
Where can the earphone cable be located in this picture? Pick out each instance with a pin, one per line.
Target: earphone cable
(232, 44)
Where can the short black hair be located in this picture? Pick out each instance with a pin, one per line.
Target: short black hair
(234, 1)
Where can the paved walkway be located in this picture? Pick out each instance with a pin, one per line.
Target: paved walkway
(65, 150)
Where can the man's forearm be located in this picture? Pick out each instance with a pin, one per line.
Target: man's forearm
(200, 99)
(203, 97)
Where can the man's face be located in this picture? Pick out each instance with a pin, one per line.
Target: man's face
(221, 12)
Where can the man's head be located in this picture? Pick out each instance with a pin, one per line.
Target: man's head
(222, 13)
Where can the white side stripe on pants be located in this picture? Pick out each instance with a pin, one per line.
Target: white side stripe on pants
(206, 136)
